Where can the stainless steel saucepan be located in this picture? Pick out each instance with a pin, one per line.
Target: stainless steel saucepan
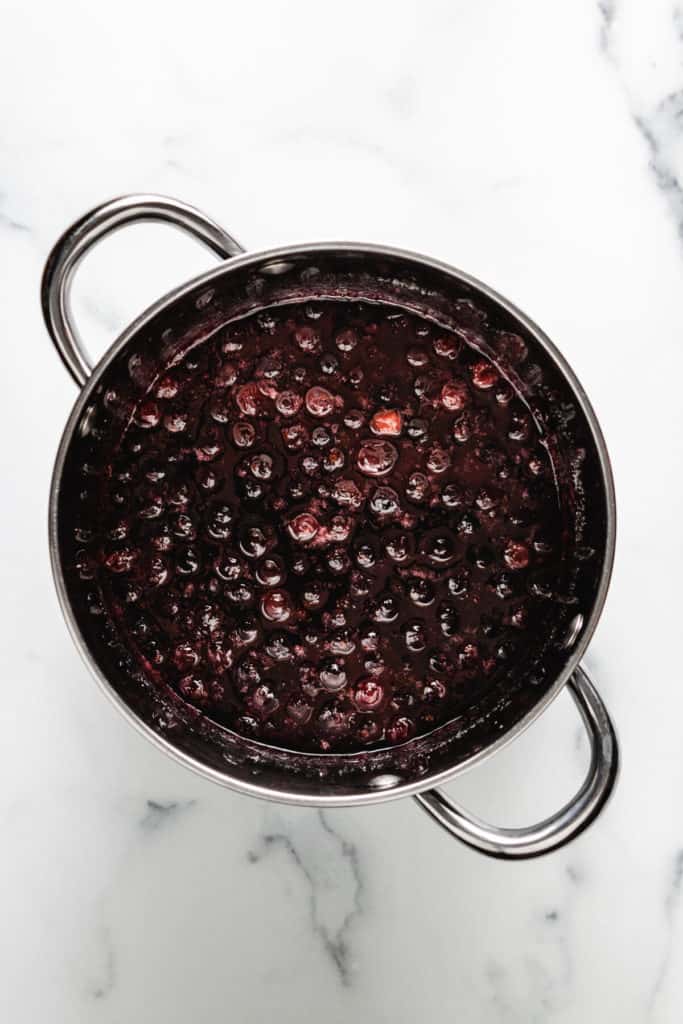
(243, 282)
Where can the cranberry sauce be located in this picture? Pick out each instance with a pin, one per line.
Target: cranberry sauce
(329, 527)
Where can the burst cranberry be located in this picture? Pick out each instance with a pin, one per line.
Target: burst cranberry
(121, 561)
(319, 401)
(243, 434)
(387, 422)
(249, 399)
(303, 528)
(368, 695)
(308, 339)
(454, 395)
(516, 555)
(194, 689)
(484, 375)
(447, 347)
(263, 700)
(400, 729)
(294, 437)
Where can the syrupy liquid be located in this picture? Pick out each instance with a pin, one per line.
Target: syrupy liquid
(329, 527)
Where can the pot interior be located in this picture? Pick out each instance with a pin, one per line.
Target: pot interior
(160, 339)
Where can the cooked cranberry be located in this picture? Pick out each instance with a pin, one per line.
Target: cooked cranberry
(333, 674)
(354, 419)
(338, 560)
(276, 606)
(261, 466)
(329, 364)
(294, 437)
(221, 518)
(384, 502)
(417, 429)
(342, 642)
(319, 401)
(249, 400)
(243, 434)
(303, 528)
(417, 487)
(288, 403)
(387, 422)
(300, 710)
(368, 695)
(421, 592)
(447, 346)
(454, 395)
(516, 555)
(458, 583)
(253, 542)
(263, 700)
(280, 646)
(185, 657)
(400, 729)
(415, 636)
(346, 340)
(307, 338)
(399, 547)
(386, 609)
(440, 548)
(333, 460)
(434, 690)
(334, 719)
(346, 493)
(270, 571)
(484, 375)
(376, 458)
(176, 422)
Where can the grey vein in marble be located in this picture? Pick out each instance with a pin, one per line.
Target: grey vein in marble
(661, 125)
(671, 904)
(106, 317)
(9, 222)
(158, 814)
(107, 980)
(607, 10)
(333, 875)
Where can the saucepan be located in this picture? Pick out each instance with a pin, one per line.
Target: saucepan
(244, 282)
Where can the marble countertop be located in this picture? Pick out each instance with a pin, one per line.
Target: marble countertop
(536, 145)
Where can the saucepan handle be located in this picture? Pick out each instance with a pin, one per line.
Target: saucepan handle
(86, 232)
(560, 828)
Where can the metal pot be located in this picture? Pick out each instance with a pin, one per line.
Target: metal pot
(241, 283)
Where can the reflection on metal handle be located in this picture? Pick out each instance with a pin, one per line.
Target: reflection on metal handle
(81, 236)
(520, 843)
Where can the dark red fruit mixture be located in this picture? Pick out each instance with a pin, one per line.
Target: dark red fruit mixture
(329, 527)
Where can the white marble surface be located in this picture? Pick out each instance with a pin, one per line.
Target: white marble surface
(538, 145)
